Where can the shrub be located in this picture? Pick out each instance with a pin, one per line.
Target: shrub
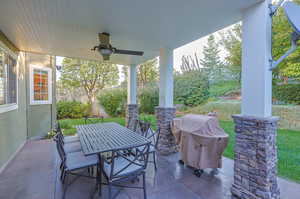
(288, 93)
(114, 101)
(191, 88)
(72, 109)
(148, 99)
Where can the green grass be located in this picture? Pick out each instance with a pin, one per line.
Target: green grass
(288, 150)
(68, 125)
(222, 88)
(287, 142)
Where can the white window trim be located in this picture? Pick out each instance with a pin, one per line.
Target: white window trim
(49, 70)
(10, 107)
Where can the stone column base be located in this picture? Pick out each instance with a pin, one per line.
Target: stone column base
(132, 114)
(255, 161)
(166, 143)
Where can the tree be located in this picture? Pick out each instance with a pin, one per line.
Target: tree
(92, 76)
(188, 63)
(231, 41)
(290, 67)
(147, 72)
(211, 61)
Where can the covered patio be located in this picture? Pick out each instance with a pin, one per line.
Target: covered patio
(33, 174)
(35, 30)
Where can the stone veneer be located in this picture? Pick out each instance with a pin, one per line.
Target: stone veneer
(166, 143)
(255, 161)
(132, 114)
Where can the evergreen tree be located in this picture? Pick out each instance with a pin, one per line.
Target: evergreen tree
(211, 61)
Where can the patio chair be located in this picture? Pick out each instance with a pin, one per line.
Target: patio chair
(66, 139)
(69, 147)
(141, 127)
(72, 163)
(153, 136)
(122, 168)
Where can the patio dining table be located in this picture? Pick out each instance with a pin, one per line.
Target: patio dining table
(106, 137)
(102, 138)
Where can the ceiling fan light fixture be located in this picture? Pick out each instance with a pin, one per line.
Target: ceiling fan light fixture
(106, 51)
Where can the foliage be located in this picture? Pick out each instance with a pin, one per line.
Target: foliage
(92, 76)
(188, 63)
(147, 72)
(282, 30)
(223, 87)
(191, 88)
(211, 61)
(148, 99)
(113, 101)
(231, 41)
(50, 134)
(71, 109)
(289, 115)
(289, 68)
(288, 93)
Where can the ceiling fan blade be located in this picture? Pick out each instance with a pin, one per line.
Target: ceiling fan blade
(105, 57)
(104, 38)
(128, 52)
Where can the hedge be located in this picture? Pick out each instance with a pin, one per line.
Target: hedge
(72, 109)
(288, 93)
(114, 101)
(191, 88)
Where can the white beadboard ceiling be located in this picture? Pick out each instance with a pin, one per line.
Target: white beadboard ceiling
(70, 27)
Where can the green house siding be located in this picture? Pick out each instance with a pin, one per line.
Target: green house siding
(27, 121)
(13, 124)
(40, 118)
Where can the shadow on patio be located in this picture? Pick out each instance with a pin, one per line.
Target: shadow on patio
(33, 174)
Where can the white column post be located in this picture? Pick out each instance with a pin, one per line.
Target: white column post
(132, 85)
(166, 111)
(255, 161)
(166, 77)
(256, 53)
(132, 106)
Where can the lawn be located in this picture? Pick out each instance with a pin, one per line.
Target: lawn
(287, 142)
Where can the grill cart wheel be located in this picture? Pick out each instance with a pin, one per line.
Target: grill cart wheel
(198, 172)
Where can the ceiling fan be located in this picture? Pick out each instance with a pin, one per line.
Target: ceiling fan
(106, 49)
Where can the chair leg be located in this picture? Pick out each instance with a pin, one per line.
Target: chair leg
(65, 186)
(62, 172)
(64, 177)
(109, 190)
(154, 160)
(100, 181)
(144, 186)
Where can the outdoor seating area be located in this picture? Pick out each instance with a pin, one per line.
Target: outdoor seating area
(38, 162)
(158, 99)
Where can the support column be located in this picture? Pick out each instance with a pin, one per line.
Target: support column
(166, 111)
(255, 161)
(132, 107)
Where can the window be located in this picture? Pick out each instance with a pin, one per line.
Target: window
(8, 82)
(40, 85)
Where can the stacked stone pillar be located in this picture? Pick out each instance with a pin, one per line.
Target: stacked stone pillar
(132, 114)
(166, 143)
(255, 162)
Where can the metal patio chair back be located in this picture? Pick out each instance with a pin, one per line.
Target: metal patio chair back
(142, 127)
(123, 167)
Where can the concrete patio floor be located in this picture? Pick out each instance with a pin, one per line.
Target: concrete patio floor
(33, 174)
